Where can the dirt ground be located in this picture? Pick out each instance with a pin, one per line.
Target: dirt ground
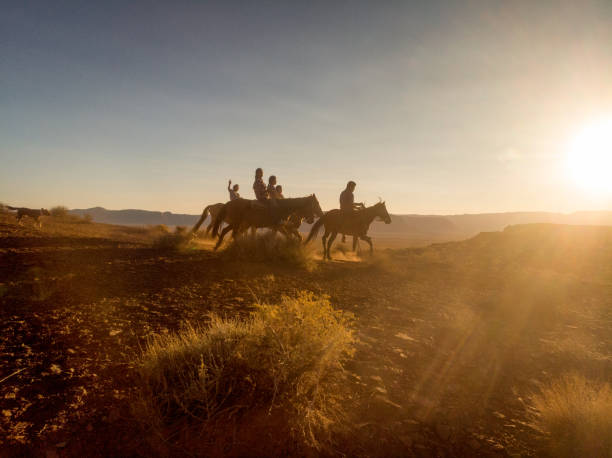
(453, 338)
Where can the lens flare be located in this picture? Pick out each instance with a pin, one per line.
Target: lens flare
(590, 157)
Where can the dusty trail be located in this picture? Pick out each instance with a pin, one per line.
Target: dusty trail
(438, 371)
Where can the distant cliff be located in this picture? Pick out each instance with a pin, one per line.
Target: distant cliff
(402, 225)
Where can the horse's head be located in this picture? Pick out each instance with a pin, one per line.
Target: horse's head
(382, 213)
(316, 208)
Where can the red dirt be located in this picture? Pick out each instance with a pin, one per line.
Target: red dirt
(431, 377)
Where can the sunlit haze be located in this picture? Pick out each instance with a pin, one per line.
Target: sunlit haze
(436, 107)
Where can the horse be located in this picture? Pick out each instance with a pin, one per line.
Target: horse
(355, 224)
(293, 223)
(240, 214)
(213, 210)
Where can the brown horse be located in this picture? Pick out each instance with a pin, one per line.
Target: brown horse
(240, 214)
(293, 223)
(355, 224)
(213, 210)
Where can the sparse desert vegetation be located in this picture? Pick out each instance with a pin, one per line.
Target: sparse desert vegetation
(455, 349)
(270, 247)
(577, 413)
(283, 360)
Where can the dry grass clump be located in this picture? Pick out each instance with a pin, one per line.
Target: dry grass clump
(578, 415)
(59, 211)
(284, 359)
(63, 215)
(270, 247)
(178, 240)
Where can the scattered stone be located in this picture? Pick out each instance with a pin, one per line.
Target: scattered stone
(474, 444)
(50, 453)
(406, 441)
(401, 335)
(113, 415)
(443, 431)
(61, 444)
(89, 427)
(499, 415)
(411, 425)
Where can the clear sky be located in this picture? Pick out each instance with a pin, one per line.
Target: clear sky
(437, 107)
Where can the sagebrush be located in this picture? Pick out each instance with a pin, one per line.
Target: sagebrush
(283, 358)
(270, 247)
(577, 413)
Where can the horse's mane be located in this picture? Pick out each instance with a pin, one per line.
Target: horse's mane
(293, 201)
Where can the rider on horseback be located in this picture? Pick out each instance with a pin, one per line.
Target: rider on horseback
(233, 191)
(263, 196)
(259, 187)
(347, 203)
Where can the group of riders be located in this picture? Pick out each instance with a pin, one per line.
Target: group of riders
(272, 210)
(267, 194)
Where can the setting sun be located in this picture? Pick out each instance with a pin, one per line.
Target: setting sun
(590, 156)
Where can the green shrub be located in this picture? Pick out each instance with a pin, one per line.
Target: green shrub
(285, 357)
(578, 415)
(270, 247)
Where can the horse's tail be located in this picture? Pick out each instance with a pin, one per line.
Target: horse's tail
(202, 218)
(219, 220)
(315, 229)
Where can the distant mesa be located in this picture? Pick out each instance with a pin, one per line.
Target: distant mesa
(438, 226)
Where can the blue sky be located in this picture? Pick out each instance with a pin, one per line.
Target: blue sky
(437, 107)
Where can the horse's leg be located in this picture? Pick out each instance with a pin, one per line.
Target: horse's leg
(369, 240)
(355, 243)
(209, 227)
(324, 242)
(223, 232)
(329, 244)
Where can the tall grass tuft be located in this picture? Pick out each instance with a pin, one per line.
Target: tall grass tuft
(270, 247)
(284, 358)
(578, 415)
(166, 240)
(59, 211)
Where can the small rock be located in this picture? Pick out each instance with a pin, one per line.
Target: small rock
(89, 427)
(50, 453)
(443, 431)
(419, 439)
(61, 444)
(411, 425)
(113, 415)
(474, 444)
(406, 440)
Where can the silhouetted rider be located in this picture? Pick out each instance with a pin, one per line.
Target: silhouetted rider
(347, 202)
(233, 191)
(259, 187)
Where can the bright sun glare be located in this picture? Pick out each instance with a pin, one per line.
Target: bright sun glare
(590, 156)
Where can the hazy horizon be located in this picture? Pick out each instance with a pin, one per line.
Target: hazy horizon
(437, 108)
